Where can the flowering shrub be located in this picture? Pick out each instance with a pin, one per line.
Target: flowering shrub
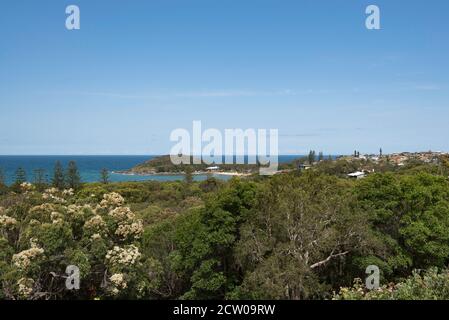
(26, 186)
(112, 200)
(122, 257)
(23, 259)
(95, 224)
(42, 233)
(25, 287)
(132, 230)
(6, 222)
(118, 283)
(428, 285)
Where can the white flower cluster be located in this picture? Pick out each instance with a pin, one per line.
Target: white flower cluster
(119, 283)
(95, 236)
(25, 286)
(56, 199)
(128, 225)
(52, 194)
(22, 260)
(33, 243)
(123, 256)
(26, 186)
(7, 222)
(112, 199)
(34, 223)
(95, 223)
(121, 214)
(56, 217)
(68, 192)
(46, 208)
(74, 209)
(134, 229)
(51, 191)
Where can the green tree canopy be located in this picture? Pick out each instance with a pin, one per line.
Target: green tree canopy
(58, 176)
(104, 176)
(73, 179)
(411, 213)
(20, 176)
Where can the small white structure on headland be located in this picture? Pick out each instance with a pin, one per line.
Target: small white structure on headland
(357, 175)
(303, 166)
(212, 168)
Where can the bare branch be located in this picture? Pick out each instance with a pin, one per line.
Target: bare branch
(332, 256)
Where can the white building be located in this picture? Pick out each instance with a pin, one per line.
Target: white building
(357, 175)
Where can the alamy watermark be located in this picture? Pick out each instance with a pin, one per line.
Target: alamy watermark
(372, 282)
(236, 146)
(73, 21)
(72, 281)
(372, 22)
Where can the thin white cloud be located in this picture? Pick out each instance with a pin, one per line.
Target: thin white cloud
(427, 87)
(117, 95)
(418, 86)
(234, 93)
(163, 95)
(187, 94)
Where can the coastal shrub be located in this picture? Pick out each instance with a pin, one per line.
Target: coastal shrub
(410, 213)
(102, 238)
(425, 285)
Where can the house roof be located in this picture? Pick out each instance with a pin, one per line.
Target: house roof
(356, 174)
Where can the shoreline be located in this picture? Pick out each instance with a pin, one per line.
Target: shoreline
(230, 173)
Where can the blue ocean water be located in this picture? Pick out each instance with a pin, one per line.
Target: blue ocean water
(90, 167)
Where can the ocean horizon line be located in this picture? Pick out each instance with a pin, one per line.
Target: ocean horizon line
(143, 155)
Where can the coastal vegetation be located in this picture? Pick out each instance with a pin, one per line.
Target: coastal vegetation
(301, 234)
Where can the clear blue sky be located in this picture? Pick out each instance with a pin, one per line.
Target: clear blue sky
(138, 69)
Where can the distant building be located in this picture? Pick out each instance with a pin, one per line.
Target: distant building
(212, 168)
(302, 166)
(357, 175)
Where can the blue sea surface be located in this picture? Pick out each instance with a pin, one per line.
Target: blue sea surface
(90, 167)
